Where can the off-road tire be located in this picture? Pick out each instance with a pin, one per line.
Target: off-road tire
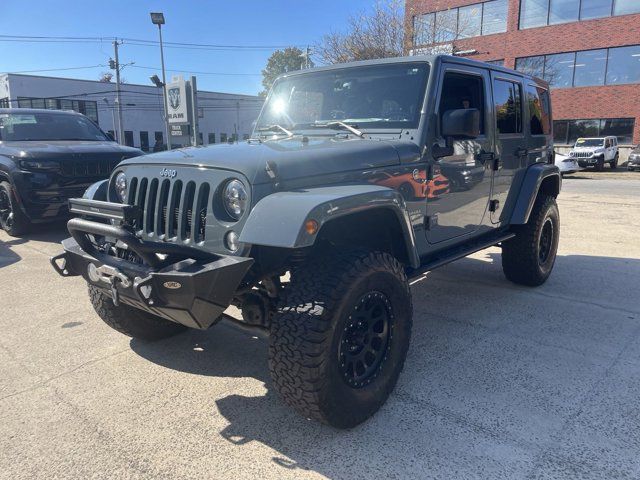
(307, 336)
(614, 162)
(521, 255)
(16, 223)
(131, 321)
(600, 165)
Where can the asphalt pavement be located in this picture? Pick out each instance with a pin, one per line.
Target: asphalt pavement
(501, 381)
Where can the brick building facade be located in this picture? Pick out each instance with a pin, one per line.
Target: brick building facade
(595, 87)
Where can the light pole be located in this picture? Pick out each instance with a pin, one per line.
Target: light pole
(157, 18)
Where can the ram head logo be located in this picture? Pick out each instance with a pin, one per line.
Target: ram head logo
(174, 98)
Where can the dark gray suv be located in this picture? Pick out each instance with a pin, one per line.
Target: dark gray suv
(358, 177)
(634, 159)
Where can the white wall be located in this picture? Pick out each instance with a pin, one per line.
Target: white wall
(142, 106)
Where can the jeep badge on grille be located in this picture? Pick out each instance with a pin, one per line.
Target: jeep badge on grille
(169, 173)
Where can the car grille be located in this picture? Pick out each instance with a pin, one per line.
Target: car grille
(582, 154)
(88, 168)
(169, 209)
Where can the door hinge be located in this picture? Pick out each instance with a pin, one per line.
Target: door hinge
(494, 205)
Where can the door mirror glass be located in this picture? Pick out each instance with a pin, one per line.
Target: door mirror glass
(463, 123)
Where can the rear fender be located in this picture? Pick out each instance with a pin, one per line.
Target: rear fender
(539, 177)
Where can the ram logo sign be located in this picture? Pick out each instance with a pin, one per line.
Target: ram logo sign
(176, 92)
(174, 98)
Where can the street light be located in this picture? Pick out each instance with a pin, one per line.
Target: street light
(157, 18)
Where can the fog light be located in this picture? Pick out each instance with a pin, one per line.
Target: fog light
(231, 241)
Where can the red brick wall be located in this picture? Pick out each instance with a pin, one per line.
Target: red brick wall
(622, 101)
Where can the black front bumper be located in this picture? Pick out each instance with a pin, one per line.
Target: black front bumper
(183, 284)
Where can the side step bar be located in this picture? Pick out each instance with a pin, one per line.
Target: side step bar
(449, 256)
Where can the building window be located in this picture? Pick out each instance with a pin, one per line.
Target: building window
(4, 102)
(128, 138)
(590, 67)
(496, 62)
(223, 138)
(623, 65)
(594, 9)
(494, 17)
(568, 131)
(538, 13)
(245, 136)
(144, 141)
(200, 138)
(86, 107)
(211, 138)
(613, 66)
(159, 141)
(508, 105)
(625, 7)
(470, 21)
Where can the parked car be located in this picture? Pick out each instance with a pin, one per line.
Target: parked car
(174, 238)
(47, 157)
(634, 159)
(595, 152)
(566, 164)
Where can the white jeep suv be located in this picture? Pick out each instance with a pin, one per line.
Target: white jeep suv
(595, 152)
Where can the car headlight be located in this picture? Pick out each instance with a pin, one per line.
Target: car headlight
(571, 154)
(235, 198)
(39, 165)
(120, 186)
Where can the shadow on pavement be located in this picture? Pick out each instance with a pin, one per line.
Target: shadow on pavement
(49, 233)
(7, 255)
(490, 387)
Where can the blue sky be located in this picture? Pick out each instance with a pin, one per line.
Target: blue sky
(247, 22)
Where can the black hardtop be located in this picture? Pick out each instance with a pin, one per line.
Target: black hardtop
(433, 60)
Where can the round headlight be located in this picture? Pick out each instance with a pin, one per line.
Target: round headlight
(120, 186)
(235, 198)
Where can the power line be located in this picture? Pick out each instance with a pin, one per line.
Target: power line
(59, 69)
(138, 42)
(199, 73)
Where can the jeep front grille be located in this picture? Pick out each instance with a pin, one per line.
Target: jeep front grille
(582, 154)
(169, 209)
(87, 168)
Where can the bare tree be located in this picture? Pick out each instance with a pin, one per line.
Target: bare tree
(378, 33)
(106, 77)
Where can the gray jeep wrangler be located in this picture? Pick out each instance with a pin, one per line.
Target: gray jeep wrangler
(358, 177)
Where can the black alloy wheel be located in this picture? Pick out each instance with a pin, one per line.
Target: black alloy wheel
(365, 340)
(546, 242)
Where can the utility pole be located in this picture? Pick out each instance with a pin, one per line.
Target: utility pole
(118, 99)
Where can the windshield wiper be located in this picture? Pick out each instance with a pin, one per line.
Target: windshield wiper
(340, 126)
(276, 128)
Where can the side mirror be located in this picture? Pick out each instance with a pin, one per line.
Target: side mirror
(463, 123)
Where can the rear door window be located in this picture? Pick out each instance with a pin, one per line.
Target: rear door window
(507, 96)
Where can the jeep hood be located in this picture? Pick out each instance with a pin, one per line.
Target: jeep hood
(291, 157)
(64, 149)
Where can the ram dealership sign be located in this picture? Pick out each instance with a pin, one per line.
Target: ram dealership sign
(177, 101)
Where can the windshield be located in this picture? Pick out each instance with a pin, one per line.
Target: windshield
(589, 142)
(379, 96)
(16, 127)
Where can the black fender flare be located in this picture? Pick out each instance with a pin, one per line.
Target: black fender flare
(279, 219)
(540, 175)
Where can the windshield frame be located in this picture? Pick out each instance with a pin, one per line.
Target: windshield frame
(316, 127)
(82, 118)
